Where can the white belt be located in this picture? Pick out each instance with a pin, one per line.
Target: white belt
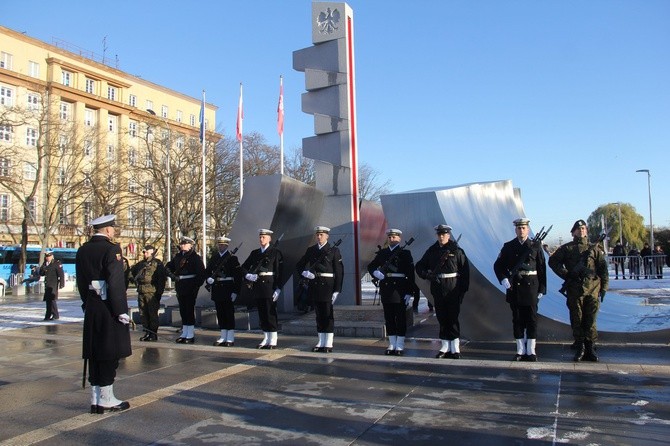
(528, 273)
(266, 273)
(400, 275)
(223, 279)
(187, 276)
(325, 275)
(447, 275)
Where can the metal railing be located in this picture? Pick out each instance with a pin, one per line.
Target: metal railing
(648, 267)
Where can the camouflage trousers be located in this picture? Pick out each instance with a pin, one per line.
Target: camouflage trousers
(583, 313)
(149, 306)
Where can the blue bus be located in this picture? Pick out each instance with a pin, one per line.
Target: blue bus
(9, 260)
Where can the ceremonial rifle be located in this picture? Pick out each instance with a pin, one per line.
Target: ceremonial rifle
(541, 235)
(256, 269)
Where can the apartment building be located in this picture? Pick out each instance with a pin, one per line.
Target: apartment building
(79, 138)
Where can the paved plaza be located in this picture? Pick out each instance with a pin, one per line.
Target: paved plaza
(201, 394)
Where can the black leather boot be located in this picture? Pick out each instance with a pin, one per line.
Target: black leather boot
(579, 351)
(590, 352)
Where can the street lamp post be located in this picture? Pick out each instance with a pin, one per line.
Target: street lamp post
(168, 243)
(651, 221)
(620, 225)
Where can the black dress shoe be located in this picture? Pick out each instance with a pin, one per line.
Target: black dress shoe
(260, 346)
(530, 358)
(518, 357)
(121, 406)
(441, 355)
(228, 344)
(94, 408)
(317, 349)
(219, 343)
(456, 355)
(152, 337)
(189, 340)
(327, 349)
(398, 352)
(146, 337)
(269, 347)
(389, 351)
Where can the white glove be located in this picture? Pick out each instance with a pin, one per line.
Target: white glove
(335, 294)
(251, 277)
(378, 274)
(210, 281)
(275, 295)
(506, 284)
(308, 275)
(233, 296)
(539, 296)
(408, 299)
(124, 319)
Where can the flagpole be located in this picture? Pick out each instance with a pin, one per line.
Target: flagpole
(280, 124)
(240, 119)
(204, 209)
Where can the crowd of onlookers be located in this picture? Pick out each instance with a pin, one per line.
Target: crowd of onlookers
(647, 263)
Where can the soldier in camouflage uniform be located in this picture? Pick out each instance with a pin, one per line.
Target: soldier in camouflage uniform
(583, 267)
(149, 275)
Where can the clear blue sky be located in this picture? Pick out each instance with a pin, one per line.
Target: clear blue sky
(565, 98)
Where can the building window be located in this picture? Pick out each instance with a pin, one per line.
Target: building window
(164, 111)
(33, 69)
(62, 145)
(6, 96)
(192, 120)
(87, 211)
(110, 182)
(132, 157)
(33, 101)
(6, 131)
(65, 111)
(149, 218)
(112, 123)
(148, 162)
(31, 137)
(148, 188)
(62, 176)
(87, 183)
(150, 105)
(63, 212)
(66, 77)
(132, 186)
(6, 61)
(29, 172)
(132, 216)
(179, 115)
(111, 93)
(132, 100)
(88, 147)
(89, 117)
(180, 143)
(4, 207)
(90, 86)
(5, 167)
(110, 153)
(132, 128)
(32, 208)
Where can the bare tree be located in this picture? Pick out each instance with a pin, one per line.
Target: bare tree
(369, 186)
(47, 164)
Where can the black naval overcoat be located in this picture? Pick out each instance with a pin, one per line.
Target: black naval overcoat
(222, 268)
(525, 287)
(105, 338)
(394, 288)
(318, 261)
(263, 263)
(54, 278)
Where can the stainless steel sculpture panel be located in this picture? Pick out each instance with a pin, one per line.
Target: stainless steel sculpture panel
(482, 214)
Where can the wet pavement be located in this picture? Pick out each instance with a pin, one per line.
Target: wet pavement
(201, 394)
